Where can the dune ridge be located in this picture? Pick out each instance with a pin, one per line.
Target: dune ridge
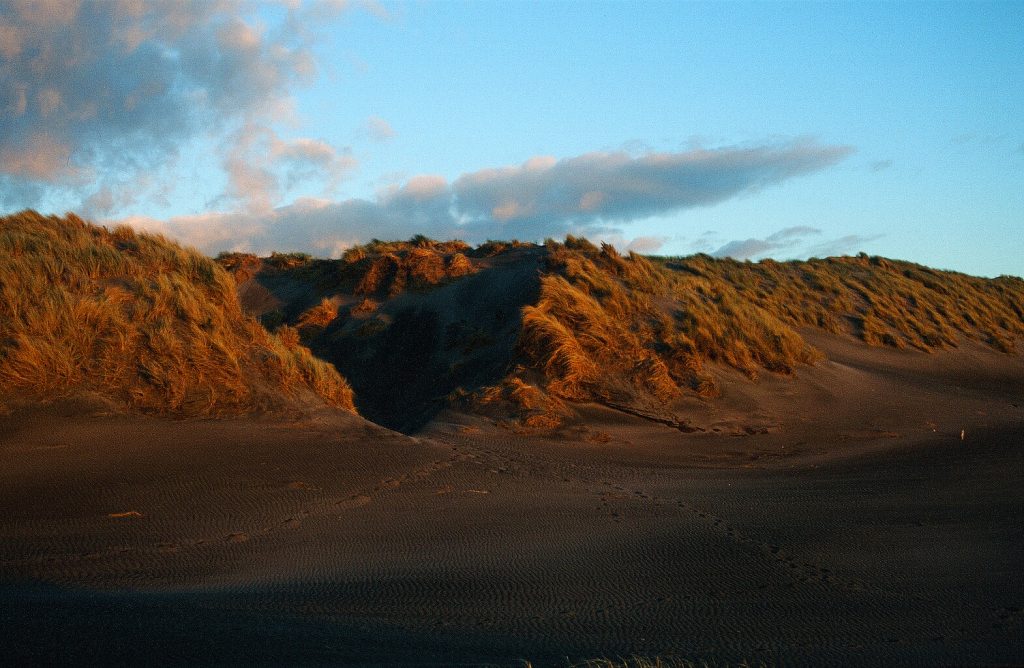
(585, 323)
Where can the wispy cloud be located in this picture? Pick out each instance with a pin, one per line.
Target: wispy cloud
(793, 242)
(261, 165)
(593, 194)
(743, 249)
(851, 243)
(880, 165)
(379, 129)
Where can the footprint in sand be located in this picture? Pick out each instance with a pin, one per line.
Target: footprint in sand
(354, 501)
(236, 537)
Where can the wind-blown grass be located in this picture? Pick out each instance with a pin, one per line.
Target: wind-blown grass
(621, 329)
(634, 331)
(637, 332)
(141, 320)
(881, 301)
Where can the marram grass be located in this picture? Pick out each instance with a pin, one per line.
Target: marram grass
(141, 320)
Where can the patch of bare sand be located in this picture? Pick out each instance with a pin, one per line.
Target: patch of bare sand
(858, 529)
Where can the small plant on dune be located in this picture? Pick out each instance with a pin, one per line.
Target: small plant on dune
(320, 315)
(288, 260)
(365, 306)
(140, 319)
(242, 266)
(519, 404)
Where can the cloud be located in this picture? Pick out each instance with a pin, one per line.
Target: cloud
(795, 242)
(378, 129)
(880, 165)
(646, 244)
(615, 187)
(846, 245)
(97, 93)
(593, 194)
(743, 249)
(261, 165)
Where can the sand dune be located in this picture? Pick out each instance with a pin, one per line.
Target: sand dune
(833, 518)
(589, 467)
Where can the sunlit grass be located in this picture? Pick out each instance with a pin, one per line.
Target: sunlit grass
(631, 330)
(139, 319)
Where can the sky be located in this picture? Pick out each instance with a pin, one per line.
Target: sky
(784, 130)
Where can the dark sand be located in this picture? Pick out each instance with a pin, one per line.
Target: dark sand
(852, 526)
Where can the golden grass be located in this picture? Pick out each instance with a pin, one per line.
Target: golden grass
(519, 404)
(320, 315)
(620, 329)
(637, 333)
(491, 248)
(396, 269)
(629, 330)
(881, 301)
(139, 319)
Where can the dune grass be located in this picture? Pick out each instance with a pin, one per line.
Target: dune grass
(638, 331)
(621, 329)
(378, 269)
(141, 320)
(881, 301)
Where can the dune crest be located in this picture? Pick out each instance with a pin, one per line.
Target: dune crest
(521, 332)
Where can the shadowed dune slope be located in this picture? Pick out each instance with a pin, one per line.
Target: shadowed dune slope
(140, 320)
(523, 332)
(407, 323)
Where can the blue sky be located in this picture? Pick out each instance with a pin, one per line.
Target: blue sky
(749, 129)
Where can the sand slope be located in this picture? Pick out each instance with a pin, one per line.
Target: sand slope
(834, 518)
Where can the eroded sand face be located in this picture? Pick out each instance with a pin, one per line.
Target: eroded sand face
(835, 518)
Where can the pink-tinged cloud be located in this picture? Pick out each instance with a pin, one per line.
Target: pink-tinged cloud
(616, 187)
(793, 242)
(37, 156)
(379, 129)
(99, 93)
(594, 195)
(261, 166)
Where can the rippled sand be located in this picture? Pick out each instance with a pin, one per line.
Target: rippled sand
(837, 518)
